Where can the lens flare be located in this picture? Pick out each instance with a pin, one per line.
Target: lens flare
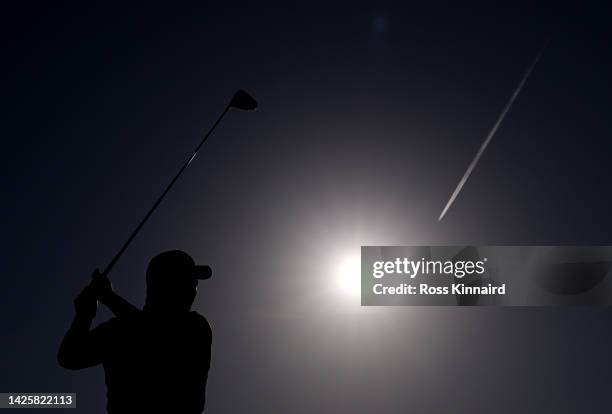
(348, 277)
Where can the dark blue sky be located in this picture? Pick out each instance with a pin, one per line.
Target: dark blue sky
(369, 114)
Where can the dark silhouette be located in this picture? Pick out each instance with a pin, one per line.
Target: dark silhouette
(155, 360)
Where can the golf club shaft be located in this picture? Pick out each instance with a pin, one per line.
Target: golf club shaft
(163, 194)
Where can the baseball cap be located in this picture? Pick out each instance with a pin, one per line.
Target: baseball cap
(179, 264)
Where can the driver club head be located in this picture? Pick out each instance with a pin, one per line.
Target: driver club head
(244, 101)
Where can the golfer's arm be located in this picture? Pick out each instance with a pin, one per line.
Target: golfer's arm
(119, 306)
(79, 349)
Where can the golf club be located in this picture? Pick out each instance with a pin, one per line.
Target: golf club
(240, 100)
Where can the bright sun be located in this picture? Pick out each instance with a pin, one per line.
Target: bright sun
(348, 276)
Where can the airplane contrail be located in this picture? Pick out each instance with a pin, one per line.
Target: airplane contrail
(487, 140)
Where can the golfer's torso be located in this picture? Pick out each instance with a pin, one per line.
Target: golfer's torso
(157, 364)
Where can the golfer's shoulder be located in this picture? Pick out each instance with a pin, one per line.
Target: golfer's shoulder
(200, 323)
(121, 323)
(110, 326)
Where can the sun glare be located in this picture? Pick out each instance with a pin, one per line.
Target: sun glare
(348, 278)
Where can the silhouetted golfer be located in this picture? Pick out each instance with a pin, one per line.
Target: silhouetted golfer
(155, 360)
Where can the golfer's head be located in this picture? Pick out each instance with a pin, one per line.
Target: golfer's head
(172, 281)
